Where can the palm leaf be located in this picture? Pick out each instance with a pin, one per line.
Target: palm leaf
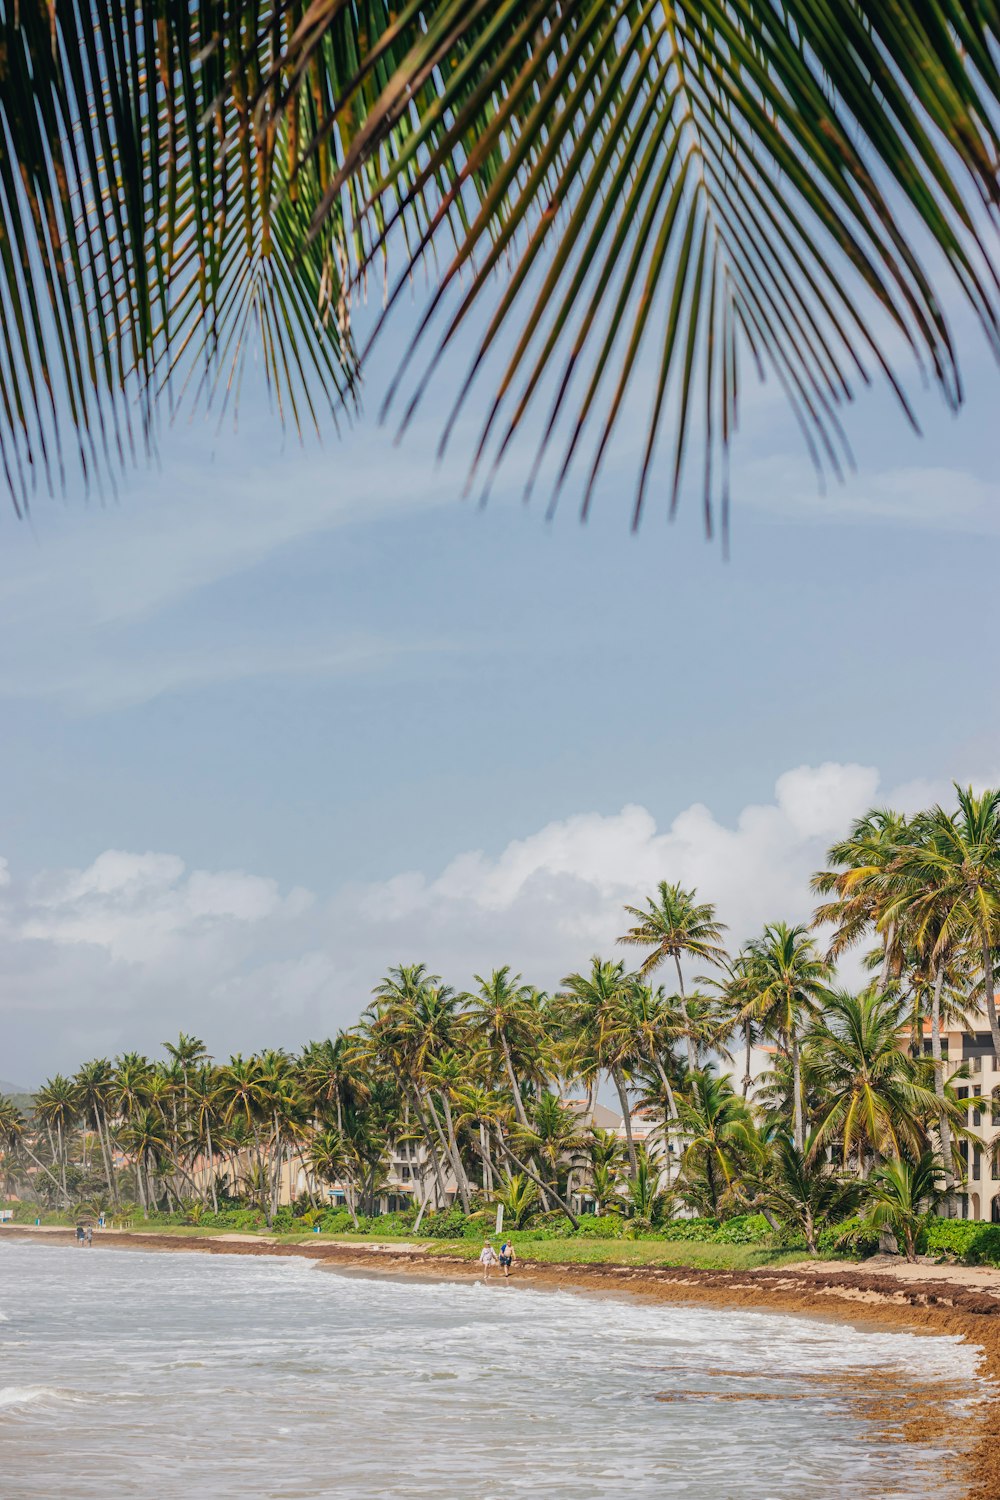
(675, 188)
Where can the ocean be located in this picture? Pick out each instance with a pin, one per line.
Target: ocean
(162, 1375)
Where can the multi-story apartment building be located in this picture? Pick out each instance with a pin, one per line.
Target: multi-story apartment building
(979, 1159)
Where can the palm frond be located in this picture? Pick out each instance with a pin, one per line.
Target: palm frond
(676, 190)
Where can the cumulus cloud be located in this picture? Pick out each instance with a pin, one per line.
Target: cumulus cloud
(136, 946)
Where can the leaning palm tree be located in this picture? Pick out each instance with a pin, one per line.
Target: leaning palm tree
(674, 189)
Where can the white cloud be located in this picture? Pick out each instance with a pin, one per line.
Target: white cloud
(134, 947)
(938, 498)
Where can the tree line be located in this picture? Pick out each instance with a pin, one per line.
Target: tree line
(858, 1108)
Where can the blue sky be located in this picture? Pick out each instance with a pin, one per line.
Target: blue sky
(318, 675)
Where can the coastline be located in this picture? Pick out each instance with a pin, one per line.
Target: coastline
(930, 1300)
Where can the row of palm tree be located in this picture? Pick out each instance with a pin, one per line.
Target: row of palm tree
(473, 1089)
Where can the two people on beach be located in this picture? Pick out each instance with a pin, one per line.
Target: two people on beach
(85, 1234)
(488, 1258)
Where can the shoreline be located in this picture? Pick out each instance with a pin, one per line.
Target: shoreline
(882, 1295)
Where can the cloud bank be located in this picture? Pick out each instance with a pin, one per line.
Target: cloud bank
(124, 953)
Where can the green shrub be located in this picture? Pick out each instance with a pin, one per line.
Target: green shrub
(745, 1229)
(854, 1237)
(974, 1243)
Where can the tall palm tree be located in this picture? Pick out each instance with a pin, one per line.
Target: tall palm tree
(591, 1005)
(951, 882)
(876, 1099)
(504, 1014)
(858, 877)
(95, 1083)
(675, 925)
(787, 981)
(716, 1126)
(743, 183)
(57, 1105)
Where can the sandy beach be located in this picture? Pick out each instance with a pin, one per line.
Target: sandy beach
(884, 1292)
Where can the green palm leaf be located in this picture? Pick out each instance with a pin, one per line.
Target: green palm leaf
(676, 189)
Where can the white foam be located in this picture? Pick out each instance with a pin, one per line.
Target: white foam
(24, 1395)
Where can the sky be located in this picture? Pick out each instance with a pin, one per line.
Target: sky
(278, 716)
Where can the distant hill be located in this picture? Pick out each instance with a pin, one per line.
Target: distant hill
(16, 1091)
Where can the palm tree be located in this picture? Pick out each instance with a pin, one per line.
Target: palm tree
(950, 879)
(95, 1085)
(786, 982)
(805, 1192)
(724, 183)
(901, 1195)
(716, 1127)
(859, 878)
(876, 1099)
(674, 924)
(519, 1196)
(591, 1005)
(505, 1016)
(57, 1106)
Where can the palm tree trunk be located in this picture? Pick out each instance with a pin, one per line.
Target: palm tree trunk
(671, 1101)
(619, 1082)
(435, 1163)
(487, 1184)
(944, 1129)
(748, 1044)
(800, 1133)
(512, 1076)
(211, 1163)
(104, 1150)
(991, 1004)
(538, 1181)
(450, 1152)
(62, 1159)
(887, 942)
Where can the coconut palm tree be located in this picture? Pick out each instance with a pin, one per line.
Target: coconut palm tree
(786, 983)
(901, 1195)
(592, 1005)
(57, 1106)
(716, 1127)
(804, 1191)
(877, 1100)
(859, 878)
(748, 182)
(950, 883)
(505, 1016)
(675, 925)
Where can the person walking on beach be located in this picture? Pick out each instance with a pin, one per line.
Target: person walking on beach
(506, 1258)
(487, 1259)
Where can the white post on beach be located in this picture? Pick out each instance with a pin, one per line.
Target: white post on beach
(499, 1218)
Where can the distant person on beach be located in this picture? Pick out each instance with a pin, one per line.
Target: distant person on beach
(90, 1234)
(506, 1258)
(487, 1259)
(79, 1234)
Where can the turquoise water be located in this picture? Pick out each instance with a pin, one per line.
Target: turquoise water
(166, 1375)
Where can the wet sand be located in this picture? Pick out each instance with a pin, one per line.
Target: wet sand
(955, 1300)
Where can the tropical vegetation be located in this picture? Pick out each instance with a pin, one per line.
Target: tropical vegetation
(607, 193)
(440, 1105)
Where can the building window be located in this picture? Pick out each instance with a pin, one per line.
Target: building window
(996, 1106)
(977, 1164)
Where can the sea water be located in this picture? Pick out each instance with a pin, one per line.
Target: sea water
(134, 1374)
